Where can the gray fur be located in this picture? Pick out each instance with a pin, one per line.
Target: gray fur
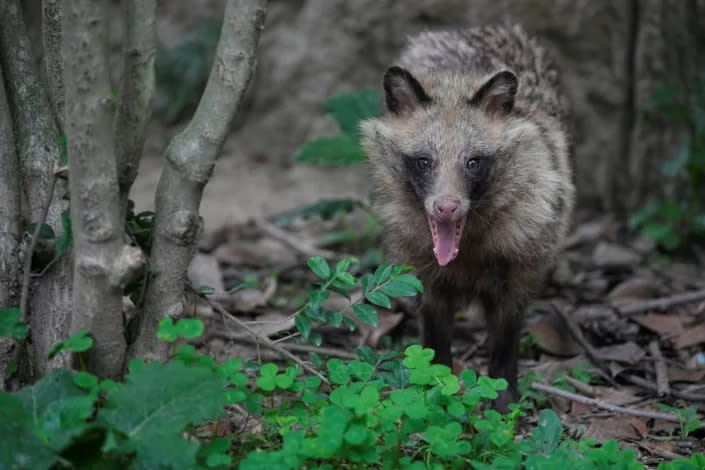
(513, 231)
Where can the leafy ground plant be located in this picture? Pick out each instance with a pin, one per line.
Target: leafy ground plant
(385, 411)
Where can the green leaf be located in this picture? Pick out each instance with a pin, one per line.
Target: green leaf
(156, 404)
(378, 298)
(334, 318)
(325, 208)
(21, 446)
(411, 280)
(398, 289)
(367, 314)
(356, 434)
(85, 380)
(46, 232)
(348, 109)
(367, 282)
(205, 290)
(548, 431)
(60, 410)
(331, 151)
(361, 370)
(10, 324)
(344, 264)
(338, 371)
(189, 328)
(367, 354)
(215, 453)
(383, 272)
(303, 324)
(320, 267)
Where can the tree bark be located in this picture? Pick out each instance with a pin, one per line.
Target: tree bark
(53, 65)
(136, 92)
(10, 216)
(10, 229)
(102, 263)
(35, 129)
(36, 134)
(190, 159)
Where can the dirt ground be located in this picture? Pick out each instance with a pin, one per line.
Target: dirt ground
(247, 186)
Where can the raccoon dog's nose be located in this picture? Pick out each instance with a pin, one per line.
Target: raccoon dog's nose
(446, 208)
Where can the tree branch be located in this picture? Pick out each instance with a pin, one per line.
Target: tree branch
(101, 262)
(52, 38)
(136, 91)
(190, 159)
(604, 405)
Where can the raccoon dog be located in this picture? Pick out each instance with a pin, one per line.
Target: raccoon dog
(472, 179)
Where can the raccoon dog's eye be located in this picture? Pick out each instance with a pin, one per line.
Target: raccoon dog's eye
(423, 163)
(473, 164)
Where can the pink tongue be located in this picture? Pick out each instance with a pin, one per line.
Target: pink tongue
(445, 242)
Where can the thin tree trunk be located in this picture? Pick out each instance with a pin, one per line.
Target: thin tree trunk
(36, 134)
(35, 128)
(190, 159)
(53, 64)
(102, 263)
(10, 216)
(136, 92)
(10, 230)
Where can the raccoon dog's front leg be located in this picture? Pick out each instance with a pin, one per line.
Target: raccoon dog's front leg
(437, 317)
(504, 321)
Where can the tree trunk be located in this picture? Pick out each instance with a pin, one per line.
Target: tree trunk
(136, 92)
(36, 134)
(102, 263)
(190, 159)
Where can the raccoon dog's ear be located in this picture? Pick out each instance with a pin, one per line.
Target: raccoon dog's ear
(402, 92)
(497, 94)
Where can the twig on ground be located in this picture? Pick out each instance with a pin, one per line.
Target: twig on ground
(663, 387)
(580, 386)
(27, 269)
(578, 336)
(324, 351)
(672, 417)
(263, 340)
(662, 303)
(663, 453)
(297, 244)
(652, 387)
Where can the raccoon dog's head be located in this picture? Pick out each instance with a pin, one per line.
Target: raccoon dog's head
(445, 142)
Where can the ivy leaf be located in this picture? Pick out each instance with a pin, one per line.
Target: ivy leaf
(320, 267)
(156, 404)
(367, 314)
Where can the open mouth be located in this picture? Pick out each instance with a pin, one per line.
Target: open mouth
(446, 238)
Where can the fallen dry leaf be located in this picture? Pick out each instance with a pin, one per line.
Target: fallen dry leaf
(679, 374)
(633, 289)
(553, 338)
(664, 325)
(204, 270)
(615, 427)
(690, 337)
(640, 425)
(628, 353)
(248, 299)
